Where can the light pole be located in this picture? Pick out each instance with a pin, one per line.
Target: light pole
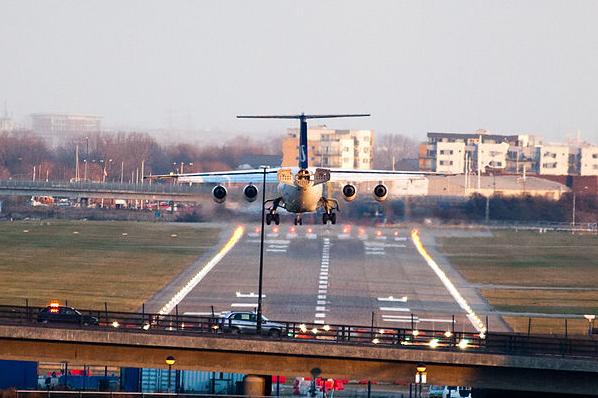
(420, 378)
(590, 319)
(258, 325)
(170, 361)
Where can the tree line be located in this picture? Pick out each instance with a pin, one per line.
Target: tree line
(112, 157)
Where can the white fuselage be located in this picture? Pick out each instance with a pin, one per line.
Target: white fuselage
(301, 200)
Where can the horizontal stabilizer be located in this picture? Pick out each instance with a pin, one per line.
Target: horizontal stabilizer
(302, 116)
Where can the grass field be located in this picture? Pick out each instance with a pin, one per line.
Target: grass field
(529, 259)
(88, 263)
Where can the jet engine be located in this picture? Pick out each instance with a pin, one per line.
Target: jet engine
(349, 192)
(250, 193)
(219, 194)
(380, 192)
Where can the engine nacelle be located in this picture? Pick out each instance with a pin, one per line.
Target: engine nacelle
(219, 194)
(380, 192)
(349, 192)
(250, 193)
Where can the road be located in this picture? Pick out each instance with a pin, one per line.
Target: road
(336, 275)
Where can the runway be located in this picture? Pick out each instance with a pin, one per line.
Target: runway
(335, 274)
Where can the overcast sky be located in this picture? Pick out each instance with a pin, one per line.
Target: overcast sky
(417, 66)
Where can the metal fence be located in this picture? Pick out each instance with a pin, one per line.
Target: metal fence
(391, 338)
(89, 186)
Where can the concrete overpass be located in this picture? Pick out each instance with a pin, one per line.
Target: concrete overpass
(78, 190)
(232, 353)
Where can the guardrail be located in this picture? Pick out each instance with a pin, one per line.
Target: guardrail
(544, 226)
(404, 338)
(116, 394)
(89, 186)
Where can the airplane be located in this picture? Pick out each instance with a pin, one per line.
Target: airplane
(300, 189)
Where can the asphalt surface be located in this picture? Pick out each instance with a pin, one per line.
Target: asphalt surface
(336, 275)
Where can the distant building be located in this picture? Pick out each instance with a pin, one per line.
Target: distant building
(500, 185)
(6, 124)
(466, 152)
(350, 149)
(59, 125)
(552, 159)
(588, 160)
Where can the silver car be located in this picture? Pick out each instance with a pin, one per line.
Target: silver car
(246, 323)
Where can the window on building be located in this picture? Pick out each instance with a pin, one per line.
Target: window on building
(595, 156)
(446, 152)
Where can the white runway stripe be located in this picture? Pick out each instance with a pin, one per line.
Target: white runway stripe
(395, 309)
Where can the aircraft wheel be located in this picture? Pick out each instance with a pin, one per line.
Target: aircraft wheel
(300, 221)
(296, 221)
(333, 218)
(276, 218)
(268, 219)
(325, 218)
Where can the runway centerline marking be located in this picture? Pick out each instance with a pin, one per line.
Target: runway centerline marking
(323, 281)
(193, 282)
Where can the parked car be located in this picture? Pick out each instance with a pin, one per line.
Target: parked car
(246, 322)
(61, 314)
(436, 391)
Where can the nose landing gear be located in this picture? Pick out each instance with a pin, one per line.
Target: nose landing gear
(298, 220)
(329, 217)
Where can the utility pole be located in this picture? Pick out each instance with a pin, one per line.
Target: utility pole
(573, 211)
(122, 170)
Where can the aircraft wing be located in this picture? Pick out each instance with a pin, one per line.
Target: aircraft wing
(250, 176)
(352, 175)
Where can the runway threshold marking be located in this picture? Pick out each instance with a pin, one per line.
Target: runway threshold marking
(471, 315)
(182, 293)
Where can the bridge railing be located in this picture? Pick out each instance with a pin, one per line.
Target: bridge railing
(89, 186)
(392, 338)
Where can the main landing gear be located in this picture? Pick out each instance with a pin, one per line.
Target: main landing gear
(298, 220)
(272, 217)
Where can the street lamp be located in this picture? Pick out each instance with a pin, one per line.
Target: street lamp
(590, 319)
(170, 362)
(420, 378)
(258, 325)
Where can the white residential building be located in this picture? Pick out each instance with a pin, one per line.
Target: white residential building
(552, 159)
(450, 157)
(350, 149)
(588, 160)
(492, 155)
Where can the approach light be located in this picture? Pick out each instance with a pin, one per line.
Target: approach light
(376, 341)
(115, 324)
(434, 343)
(146, 326)
(448, 334)
(463, 344)
(415, 333)
(482, 335)
(326, 328)
(303, 328)
(314, 330)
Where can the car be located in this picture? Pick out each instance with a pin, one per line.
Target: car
(246, 322)
(436, 391)
(456, 392)
(62, 314)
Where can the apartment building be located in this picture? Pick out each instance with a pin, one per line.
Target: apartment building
(461, 152)
(351, 149)
(588, 160)
(552, 159)
(56, 126)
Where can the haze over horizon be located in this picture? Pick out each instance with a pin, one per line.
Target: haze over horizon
(418, 66)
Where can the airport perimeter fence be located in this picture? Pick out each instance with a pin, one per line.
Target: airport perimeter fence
(391, 338)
